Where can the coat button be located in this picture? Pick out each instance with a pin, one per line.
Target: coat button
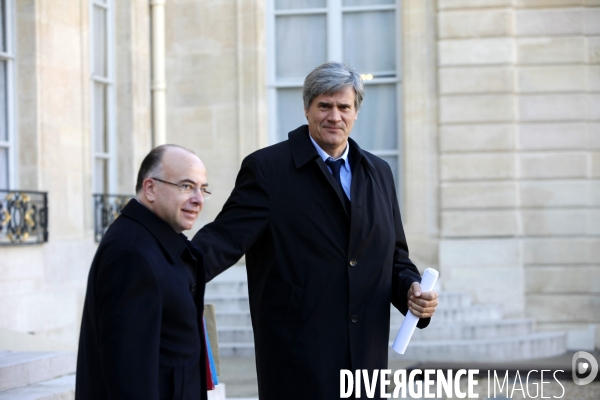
(354, 319)
(193, 287)
(353, 263)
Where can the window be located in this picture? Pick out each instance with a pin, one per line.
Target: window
(103, 95)
(7, 147)
(303, 34)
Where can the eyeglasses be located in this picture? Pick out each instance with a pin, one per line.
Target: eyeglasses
(188, 188)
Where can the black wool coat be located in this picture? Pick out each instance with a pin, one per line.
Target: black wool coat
(320, 277)
(140, 335)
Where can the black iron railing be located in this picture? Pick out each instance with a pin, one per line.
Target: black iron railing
(23, 217)
(107, 208)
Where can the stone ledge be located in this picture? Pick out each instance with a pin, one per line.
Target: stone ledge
(25, 368)
(62, 388)
(535, 345)
(473, 331)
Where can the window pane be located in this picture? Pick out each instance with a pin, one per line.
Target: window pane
(100, 129)
(100, 41)
(369, 42)
(3, 25)
(3, 101)
(100, 176)
(301, 45)
(3, 168)
(367, 2)
(290, 112)
(298, 4)
(376, 126)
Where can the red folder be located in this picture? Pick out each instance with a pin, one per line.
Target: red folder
(210, 385)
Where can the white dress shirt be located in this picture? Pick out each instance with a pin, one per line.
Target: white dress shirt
(345, 172)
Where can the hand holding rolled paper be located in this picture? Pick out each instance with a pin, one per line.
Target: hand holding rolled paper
(410, 321)
(421, 303)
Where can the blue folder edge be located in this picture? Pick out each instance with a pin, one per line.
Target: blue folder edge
(211, 360)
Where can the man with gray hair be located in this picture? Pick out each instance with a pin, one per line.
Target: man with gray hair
(318, 220)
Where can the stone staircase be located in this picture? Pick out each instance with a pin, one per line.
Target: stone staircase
(463, 331)
(40, 369)
(37, 375)
(460, 331)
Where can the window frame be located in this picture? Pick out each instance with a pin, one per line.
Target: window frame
(9, 56)
(108, 81)
(334, 12)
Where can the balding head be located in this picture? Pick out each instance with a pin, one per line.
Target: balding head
(164, 181)
(152, 163)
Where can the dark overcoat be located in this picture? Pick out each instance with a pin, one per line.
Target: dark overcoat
(320, 277)
(140, 336)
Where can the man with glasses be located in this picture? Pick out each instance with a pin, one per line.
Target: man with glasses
(318, 220)
(142, 331)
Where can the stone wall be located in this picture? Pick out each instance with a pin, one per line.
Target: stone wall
(519, 113)
(42, 287)
(216, 87)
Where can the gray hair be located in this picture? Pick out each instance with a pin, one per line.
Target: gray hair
(330, 78)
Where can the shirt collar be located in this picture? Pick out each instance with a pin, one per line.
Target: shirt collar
(326, 156)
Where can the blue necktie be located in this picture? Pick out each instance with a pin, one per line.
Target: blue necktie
(335, 169)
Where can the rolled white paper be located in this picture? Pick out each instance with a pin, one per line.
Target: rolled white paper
(410, 321)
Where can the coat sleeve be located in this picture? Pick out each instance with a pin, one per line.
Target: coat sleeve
(129, 319)
(404, 272)
(240, 223)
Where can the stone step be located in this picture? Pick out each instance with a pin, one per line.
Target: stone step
(236, 349)
(469, 331)
(454, 299)
(62, 388)
(522, 347)
(233, 318)
(228, 302)
(512, 348)
(236, 289)
(226, 287)
(452, 315)
(453, 305)
(479, 330)
(234, 273)
(235, 334)
(25, 368)
(235, 312)
(232, 281)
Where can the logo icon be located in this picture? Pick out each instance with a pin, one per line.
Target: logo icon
(581, 367)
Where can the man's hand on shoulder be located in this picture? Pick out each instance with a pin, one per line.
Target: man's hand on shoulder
(422, 304)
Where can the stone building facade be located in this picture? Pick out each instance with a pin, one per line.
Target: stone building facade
(497, 139)
(519, 110)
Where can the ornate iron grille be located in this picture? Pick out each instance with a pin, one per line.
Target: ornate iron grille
(107, 208)
(23, 217)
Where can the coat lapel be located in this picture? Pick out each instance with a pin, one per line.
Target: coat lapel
(360, 189)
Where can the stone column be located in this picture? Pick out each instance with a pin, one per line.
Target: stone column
(420, 211)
